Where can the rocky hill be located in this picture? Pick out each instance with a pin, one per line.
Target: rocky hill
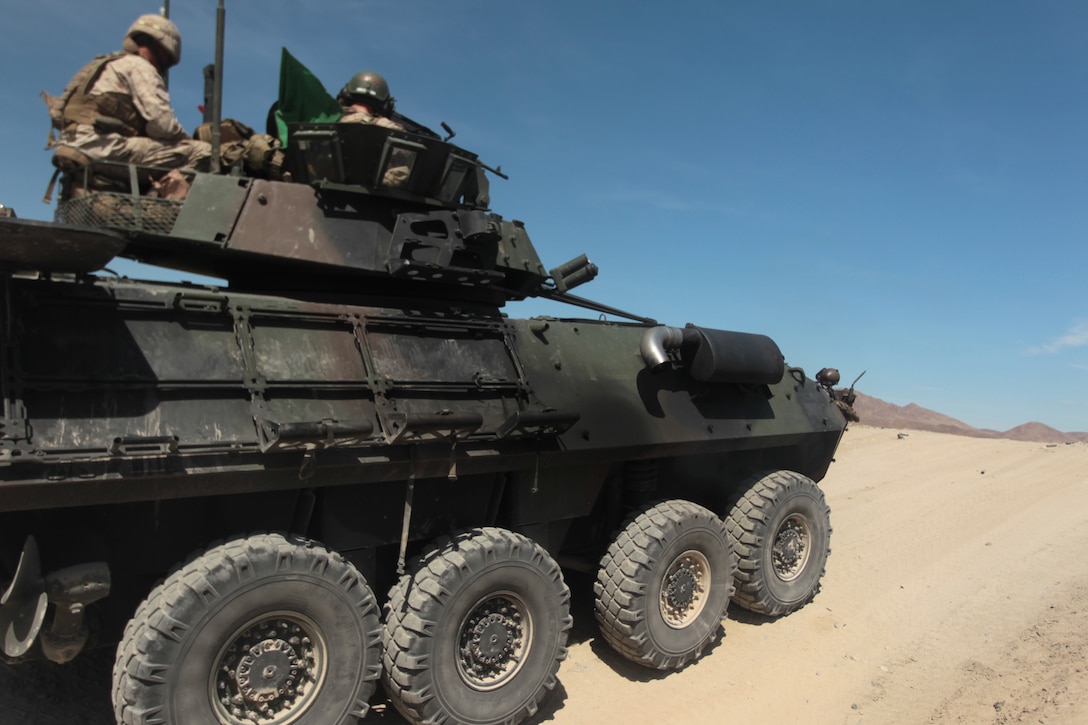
(876, 412)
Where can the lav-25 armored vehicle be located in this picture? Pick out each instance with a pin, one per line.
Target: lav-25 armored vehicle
(356, 383)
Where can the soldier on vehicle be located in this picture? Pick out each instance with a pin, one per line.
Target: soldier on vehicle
(117, 107)
(366, 99)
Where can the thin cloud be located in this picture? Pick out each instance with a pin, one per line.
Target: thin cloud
(657, 200)
(1076, 337)
(664, 201)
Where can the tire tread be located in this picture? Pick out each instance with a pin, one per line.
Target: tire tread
(421, 595)
(620, 602)
(750, 511)
(152, 636)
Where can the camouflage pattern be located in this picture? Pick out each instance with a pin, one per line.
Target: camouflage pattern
(357, 382)
(362, 114)
(161, 30)
(165, 144)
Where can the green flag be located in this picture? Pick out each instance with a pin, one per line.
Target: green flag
(302, 97)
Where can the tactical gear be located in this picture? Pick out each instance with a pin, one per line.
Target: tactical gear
(107, 112)
(230, 130)
(368, 86)
(259, 153)
(161, 30)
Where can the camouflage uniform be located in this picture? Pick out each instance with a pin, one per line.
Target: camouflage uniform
(362, 114)
(161, 141)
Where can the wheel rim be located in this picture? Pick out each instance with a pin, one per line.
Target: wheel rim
(269, 671)
(792, 546)
(684, 589)
(494, 641)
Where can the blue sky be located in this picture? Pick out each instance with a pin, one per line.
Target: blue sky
(897, 187)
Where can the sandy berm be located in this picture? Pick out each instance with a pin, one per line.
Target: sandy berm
(956, 592)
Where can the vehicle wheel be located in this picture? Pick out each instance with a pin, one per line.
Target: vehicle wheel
(476, 632)
(663, 586)
(780, 527)
(269, 629)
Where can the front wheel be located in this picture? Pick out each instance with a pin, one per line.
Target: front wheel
(780, 527)
(476, 633)
(664, 583)
(265, 630)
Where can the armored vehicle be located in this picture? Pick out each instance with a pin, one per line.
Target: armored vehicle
(346, 465)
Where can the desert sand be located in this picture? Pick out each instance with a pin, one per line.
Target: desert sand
(956, 592)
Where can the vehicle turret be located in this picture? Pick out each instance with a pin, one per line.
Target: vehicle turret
(360, 207)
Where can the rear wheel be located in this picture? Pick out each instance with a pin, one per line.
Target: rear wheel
(477, 631)
(663, 586)
(780, 527)
(268, 630)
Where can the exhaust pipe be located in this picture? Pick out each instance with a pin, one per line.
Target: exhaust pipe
(715, 356)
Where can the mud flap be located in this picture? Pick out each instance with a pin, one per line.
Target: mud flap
(22, 606)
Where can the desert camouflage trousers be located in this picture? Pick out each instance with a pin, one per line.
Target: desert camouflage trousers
(182, 154)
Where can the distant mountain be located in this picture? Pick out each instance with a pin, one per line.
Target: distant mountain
(876, 412)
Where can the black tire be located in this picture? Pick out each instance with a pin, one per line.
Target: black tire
(268, 629)
(780, 528)
(663, 586)
(475, 633)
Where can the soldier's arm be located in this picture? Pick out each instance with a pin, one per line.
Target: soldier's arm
(153, 102)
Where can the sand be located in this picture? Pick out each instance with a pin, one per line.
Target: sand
(956, 592)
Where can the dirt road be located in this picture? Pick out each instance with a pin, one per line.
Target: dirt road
(956, 591)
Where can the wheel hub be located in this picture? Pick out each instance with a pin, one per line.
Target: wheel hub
(270, 667)
(681, 590)
(791, 549)
(685, 588)
(268, 672)
(493, 641)
(493, 637)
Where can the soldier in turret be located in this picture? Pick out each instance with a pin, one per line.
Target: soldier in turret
(117, 107)
(366, 99)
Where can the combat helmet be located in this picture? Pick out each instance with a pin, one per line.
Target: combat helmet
(161, 30)
(368, 85)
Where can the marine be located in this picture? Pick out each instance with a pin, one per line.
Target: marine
(366, 99)
(117, 107)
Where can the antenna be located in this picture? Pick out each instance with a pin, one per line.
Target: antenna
(166, 73)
